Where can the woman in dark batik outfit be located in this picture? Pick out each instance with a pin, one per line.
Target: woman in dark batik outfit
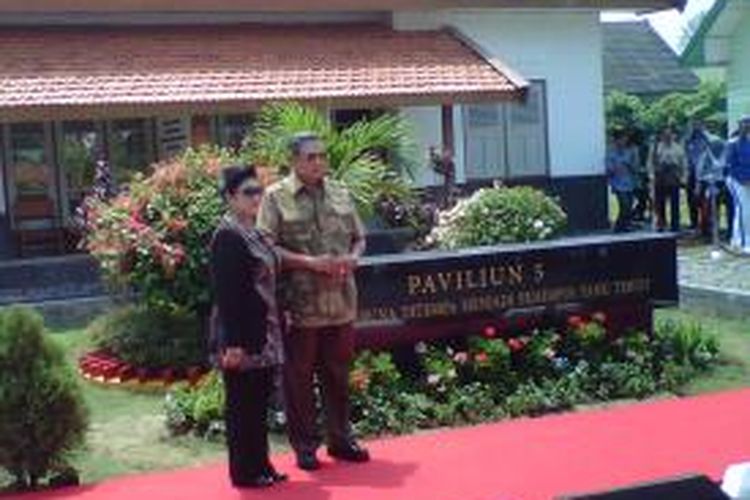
(247, 342)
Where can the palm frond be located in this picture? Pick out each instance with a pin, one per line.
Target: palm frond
(276, 125)
(369, 180)
(371, 157)
(389, 135)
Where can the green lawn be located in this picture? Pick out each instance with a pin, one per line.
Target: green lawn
(127, 433)
(734, 338)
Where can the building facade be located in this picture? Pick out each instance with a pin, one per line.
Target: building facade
(722, 43)
(513, 88)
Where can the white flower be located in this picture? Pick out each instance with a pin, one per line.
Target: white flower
(433, 379)
(538, 224)
(420, 348)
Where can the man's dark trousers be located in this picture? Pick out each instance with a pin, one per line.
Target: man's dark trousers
(327, 353)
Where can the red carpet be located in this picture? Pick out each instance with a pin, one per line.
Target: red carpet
(521, 459)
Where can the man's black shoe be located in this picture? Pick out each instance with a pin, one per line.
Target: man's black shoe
(351, 452)
(278, 477)
(261, 481)
(306, 460)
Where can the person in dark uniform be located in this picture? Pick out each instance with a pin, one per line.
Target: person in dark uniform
(247, 341)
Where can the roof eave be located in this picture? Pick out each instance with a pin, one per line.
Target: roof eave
(105, 110)
(70, 6)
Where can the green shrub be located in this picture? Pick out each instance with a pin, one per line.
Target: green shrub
(499, 215)
(154, 236)
(530, 399)
(615, 380)
(198, 408)
(42, 414)
(687, 344)
(151, 338)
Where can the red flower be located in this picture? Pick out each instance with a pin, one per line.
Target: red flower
(481, 358)
(168, 376)
(359, 380)
(516, 344)
(489, 332)
(194, 374)
(135, 224)
(575, 321)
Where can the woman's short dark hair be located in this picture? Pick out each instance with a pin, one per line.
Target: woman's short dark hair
(232, 177)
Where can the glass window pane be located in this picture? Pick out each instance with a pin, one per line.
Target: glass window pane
(485, 141)
(527, 134)
(32, 171)
(131, 148)
(78, 145)
(233, 129)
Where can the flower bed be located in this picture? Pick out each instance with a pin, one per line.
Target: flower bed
(492, 376)
(106, 368)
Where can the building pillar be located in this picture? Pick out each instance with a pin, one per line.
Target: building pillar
(447, 128)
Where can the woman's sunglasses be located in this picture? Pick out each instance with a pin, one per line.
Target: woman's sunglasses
(317, 157)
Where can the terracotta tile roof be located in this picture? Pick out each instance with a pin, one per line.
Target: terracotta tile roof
(120, 71)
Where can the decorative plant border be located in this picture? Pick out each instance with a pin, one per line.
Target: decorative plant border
(105, 368)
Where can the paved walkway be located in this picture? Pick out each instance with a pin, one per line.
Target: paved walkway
(718, 286)
(695, 267)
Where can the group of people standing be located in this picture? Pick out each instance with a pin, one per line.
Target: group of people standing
(282, 265)
(697, 163)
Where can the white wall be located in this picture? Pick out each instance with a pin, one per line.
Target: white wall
(562, 48)
(738, 74)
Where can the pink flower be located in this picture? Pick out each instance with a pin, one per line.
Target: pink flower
(489, 332)
(461, 357)
(599, 317)
(178, 252)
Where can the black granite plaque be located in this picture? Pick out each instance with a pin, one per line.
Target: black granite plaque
(445, 291)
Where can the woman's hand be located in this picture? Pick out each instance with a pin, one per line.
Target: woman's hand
(232, 358)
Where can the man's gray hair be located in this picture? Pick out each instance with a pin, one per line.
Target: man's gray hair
(301, 138)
